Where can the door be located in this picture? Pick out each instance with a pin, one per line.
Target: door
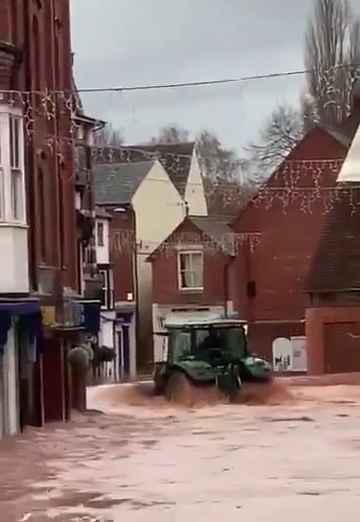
(120, 354)
(342, 347)
(126, 351)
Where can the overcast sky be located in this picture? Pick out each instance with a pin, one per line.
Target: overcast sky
(137, 42)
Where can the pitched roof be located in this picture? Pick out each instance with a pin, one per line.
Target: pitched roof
(216, 229)
(343, 135)
(335, 266)
(175, 158)
(117, 183)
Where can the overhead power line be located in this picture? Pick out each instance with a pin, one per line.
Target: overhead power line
(265, 76)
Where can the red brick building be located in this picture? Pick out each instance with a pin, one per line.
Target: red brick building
(35, 59)
(191, 272)
(333, 314)
(269, 281)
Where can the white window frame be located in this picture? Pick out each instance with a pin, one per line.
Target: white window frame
(102, 225)
(12, 211)
(180, 271)
(2, 193)
(108, 288)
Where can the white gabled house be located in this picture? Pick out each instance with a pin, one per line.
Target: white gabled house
(160, 192)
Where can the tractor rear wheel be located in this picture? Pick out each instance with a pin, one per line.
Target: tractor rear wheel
(179, 389)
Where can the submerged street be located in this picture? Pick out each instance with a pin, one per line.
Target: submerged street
(293, 453)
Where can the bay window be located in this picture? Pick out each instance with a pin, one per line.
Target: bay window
(2, 194)
(12, 192)
(191, 270)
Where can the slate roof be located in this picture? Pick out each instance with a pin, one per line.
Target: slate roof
(217, 230)
(175, 158)
(336, 264)
(116, 183)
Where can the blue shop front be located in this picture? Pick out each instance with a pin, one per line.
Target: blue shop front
(20, 354)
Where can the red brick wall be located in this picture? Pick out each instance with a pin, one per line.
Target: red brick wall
(280, 263)
(261, 336)
(122, 234)
(41, 31)
(330, 348)
(165, 275)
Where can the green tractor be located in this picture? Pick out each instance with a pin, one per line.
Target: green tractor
(207, 352)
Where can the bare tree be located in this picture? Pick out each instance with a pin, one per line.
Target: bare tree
(281, 133)
(171, 134)
(226, 198)
(217, 161)
(332, 50)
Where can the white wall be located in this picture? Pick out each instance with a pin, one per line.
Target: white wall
(106, 334)
(195, 192)
(9, 383)
(14, 263)
(159, 209)
(103, 252)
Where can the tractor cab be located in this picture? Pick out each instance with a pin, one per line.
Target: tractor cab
(208, 352)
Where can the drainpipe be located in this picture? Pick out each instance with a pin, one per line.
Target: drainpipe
(29, 174)
(135, 278)
(227, 283)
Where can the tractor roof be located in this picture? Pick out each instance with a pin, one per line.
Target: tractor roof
(181, 323)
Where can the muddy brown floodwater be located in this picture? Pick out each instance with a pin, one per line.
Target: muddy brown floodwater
(282, 451)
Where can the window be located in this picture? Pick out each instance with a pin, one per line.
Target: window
(12, 195)
(100, 234)
(191, 270)
(16, 171)
(2, 194)
(107, 294)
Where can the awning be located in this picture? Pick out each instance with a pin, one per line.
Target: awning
(29, 315)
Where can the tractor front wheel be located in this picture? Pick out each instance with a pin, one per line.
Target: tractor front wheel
(179, 389)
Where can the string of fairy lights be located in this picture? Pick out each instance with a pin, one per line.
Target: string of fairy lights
(230, 242)
(303, 184)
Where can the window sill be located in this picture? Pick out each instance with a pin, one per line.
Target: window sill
(192, 290)
(13, 224)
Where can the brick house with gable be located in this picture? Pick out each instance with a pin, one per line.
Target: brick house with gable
(269, 285)
(190, 272)
(333, 284)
